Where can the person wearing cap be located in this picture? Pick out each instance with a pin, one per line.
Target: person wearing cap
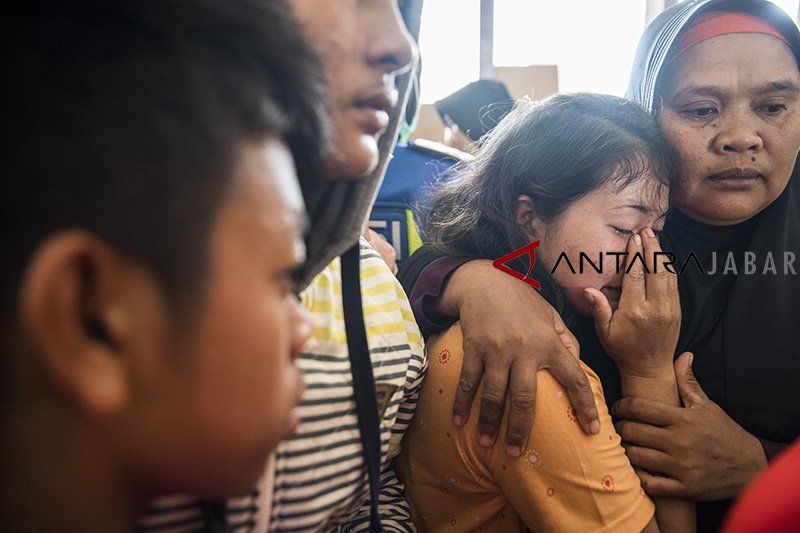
(722, 77)
(473, 111)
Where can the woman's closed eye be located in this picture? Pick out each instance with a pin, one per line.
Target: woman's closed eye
(622, 231)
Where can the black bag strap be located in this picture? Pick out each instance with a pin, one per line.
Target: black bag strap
(363, 380)
(215, 518)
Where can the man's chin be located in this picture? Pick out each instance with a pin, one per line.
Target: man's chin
(354, 163)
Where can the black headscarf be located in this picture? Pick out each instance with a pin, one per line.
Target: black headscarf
(743, 329)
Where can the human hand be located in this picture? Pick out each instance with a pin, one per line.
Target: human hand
(511, 332)
(642, 333)
(383, 247)
(694, 452)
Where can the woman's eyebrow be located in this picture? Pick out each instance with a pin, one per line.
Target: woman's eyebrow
(786, 85)
(642, 209)
(699, 91)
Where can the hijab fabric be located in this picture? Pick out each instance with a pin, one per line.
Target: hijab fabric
(744, 329)
(338, 210)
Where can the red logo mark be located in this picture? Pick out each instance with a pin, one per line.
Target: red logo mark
(499, 263)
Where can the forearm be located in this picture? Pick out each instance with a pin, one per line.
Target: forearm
(459, 284)
(674, 515)
(671, 514)
(424, 276)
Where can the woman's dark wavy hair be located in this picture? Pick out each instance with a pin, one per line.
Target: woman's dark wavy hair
(555, 151)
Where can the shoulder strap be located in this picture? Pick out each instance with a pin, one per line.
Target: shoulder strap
(215, 516)
(363, 381)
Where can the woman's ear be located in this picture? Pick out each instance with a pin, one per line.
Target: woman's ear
(527, 219)
(79, 314)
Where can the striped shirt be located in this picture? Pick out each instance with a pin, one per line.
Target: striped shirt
(320, 473)
(319, 479)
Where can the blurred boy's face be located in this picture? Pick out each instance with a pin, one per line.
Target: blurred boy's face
(364, 45)
(228, 382)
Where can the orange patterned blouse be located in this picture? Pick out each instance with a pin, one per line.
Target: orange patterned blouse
(564, 481)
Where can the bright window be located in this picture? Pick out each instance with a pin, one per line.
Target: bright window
(592, 42)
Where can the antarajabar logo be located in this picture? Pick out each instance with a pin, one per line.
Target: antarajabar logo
(530, 249)
(745, 263)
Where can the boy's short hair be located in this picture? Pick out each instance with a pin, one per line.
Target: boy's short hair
(126, 118)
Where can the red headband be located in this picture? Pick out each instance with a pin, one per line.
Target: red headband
(715, 23)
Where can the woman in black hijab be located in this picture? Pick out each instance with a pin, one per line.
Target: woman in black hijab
(722, 75)
(727, 93)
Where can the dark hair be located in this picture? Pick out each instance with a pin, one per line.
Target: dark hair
(555, 151)
(127, 118)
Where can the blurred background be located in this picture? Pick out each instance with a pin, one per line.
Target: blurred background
(536, 47)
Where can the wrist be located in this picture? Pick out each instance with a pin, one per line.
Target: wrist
(459, 284)
(660, 386)
(658, 369)
(654, 373)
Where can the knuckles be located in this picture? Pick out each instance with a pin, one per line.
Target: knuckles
(628, 408)
(491, 400)
(523, 402)
(636, 274)
(465, 385)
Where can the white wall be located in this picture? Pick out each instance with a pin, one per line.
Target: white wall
(592, 42)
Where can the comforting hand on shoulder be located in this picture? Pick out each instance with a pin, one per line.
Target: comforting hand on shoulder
(510, 333)
(642, 333)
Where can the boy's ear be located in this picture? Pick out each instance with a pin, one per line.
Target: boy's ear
(79, 316)
(526, 217)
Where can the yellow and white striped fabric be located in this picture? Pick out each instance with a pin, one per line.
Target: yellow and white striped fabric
(320, 473)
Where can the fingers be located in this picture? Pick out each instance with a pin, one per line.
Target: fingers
(661, 283)
(492, 404)
(661, 487)
(471, 374)
(601, 309)
(567, 338)
(642, 435)
(650, 246)
(639, 434)
(648, 458)
(688, 387)
(521, 398)
(647, 411)
(633, 282)
(569, 373)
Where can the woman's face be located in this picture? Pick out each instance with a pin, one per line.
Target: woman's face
(731, 109)
(599, 223)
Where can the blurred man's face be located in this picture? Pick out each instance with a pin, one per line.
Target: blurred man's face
(364, 45)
